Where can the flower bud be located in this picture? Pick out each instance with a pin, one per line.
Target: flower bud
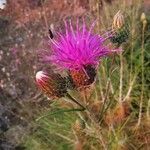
(53, 85)
(120, 29)
(118, 21)
(143, 17)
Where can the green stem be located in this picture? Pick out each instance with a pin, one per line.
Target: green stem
(142, 78)
(107, 90)
(121, 77)
(75, 101)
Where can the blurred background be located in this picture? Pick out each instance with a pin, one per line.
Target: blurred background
(24, 28)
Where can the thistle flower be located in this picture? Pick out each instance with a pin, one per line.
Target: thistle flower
(79, 51)
(53, 85)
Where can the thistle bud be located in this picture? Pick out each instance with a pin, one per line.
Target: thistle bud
(84, 76)
(118, 21)
(53, 85)
(143, 17)
(120, 28)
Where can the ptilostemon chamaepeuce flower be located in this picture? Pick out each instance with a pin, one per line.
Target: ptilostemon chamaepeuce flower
(79, 50)
(52, 84)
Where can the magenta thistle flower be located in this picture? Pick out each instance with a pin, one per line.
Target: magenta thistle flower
(78, 48)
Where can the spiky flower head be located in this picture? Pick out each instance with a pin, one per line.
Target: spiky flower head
(78, 47)
(53, 85)
(78, 50)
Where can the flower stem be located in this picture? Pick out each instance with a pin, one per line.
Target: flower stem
(121, 78)
(142, 78)
(75, 101)
(107, 90)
